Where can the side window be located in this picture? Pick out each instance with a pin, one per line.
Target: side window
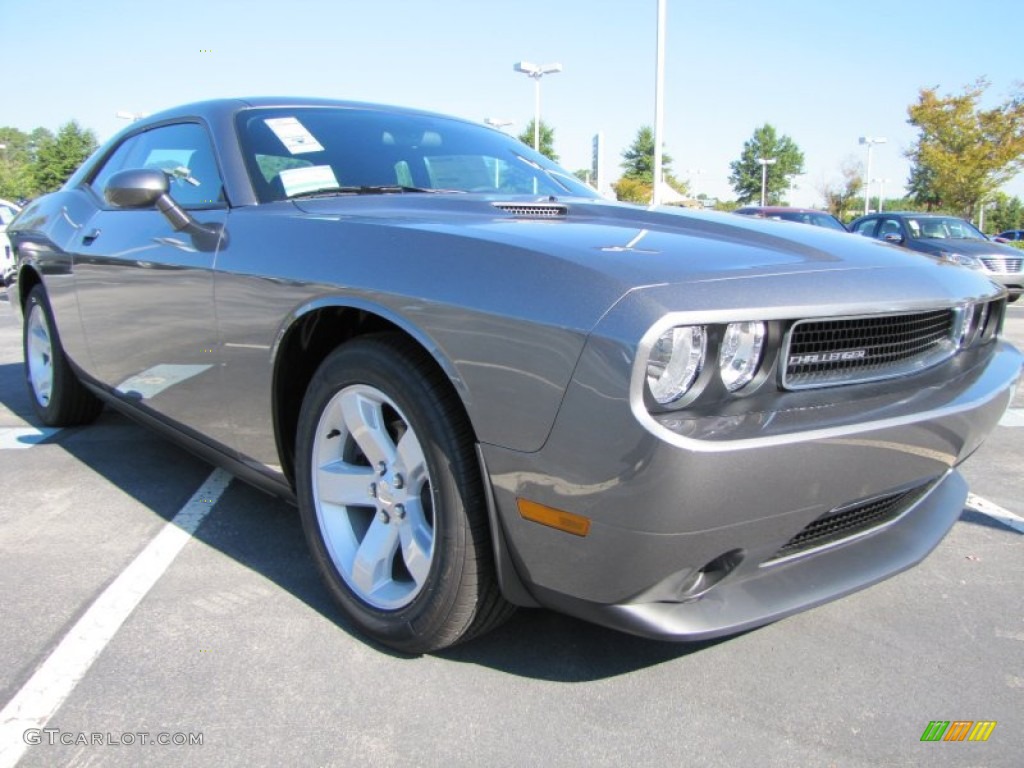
(866, 228)
(118, 161)
(889, 227)
(183, 152)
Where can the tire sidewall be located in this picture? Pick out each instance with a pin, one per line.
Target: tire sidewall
(37, 301)
(376, 364)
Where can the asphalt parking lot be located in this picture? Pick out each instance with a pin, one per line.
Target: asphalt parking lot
(237, 645)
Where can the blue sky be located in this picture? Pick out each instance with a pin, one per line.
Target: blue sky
(821, 71)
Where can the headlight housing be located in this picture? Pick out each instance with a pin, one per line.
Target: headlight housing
(962, 259)
(675, 361)
(740, 355)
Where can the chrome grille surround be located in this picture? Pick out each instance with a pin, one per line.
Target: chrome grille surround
(852, 521)
(533, 210)
(830, 352)
(1003, 265)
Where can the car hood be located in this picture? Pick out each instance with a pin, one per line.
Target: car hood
(964, 246)
(632, 245)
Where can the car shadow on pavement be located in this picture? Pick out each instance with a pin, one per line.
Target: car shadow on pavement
(264, 534)
(14, 391)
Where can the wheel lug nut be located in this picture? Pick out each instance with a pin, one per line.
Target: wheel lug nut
(400, 511)
(372, 491)
(399, 481)
(383, 516)
(382, 468)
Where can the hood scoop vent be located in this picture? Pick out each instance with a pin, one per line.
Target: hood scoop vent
(533, 210)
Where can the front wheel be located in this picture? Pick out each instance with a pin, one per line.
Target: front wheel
(59, 398)
(391, 498)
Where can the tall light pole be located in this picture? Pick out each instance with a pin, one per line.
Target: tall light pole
(659, 106)
(765, 162)
(881, 191)
(870, 141)
(536, 71)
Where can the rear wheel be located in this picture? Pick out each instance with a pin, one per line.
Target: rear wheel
(391, 498)
(59, 398)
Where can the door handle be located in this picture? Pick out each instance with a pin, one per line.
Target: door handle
(89, 238)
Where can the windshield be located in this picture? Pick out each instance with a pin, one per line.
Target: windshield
(311, 151)
(942, 228)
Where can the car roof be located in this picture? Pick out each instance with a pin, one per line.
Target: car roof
(779, 209)
(219, 108)
(915, 214)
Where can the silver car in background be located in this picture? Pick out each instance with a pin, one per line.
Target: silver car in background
(484, 386)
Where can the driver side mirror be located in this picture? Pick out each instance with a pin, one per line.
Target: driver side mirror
(893, 238)
(149, 188)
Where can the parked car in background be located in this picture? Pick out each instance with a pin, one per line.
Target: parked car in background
(485, 386)
(1010, 235)
(949, 238)
(799, 215)
(7, 213)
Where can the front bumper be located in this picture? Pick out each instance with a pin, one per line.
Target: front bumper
(667, 500)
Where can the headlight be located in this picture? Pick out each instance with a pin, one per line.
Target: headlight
(974, 319)
(675, 362)
(962, 259)
(740, 354)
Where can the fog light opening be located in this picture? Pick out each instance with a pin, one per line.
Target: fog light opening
(712, 572)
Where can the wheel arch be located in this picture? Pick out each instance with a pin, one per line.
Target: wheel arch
(315, 330)
(28, 278)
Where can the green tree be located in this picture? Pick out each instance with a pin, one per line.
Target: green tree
(746, 172)
(632, 190)
(57, 159)
(1003, 212)
(637, 182)
(547, 139)
(17, 161)
(839, 194)
(921, 186)
(964, 153)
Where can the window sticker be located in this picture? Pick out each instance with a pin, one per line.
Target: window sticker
(294, 135)
(299, 180)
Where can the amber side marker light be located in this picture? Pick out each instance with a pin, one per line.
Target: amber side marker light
(554, 518)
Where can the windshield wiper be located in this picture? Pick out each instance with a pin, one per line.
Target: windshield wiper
(382, 189)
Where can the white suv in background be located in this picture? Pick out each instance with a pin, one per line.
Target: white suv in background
(7, 212)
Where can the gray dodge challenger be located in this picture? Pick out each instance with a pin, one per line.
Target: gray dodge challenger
(485, 387)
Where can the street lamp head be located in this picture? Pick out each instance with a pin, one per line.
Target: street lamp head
(536, 70)
(497, 122)
(767, 160)
(869, 140)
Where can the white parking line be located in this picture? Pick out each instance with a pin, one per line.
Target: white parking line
(1014, 417)
(53, 682)
(20, 438)
(1004, 516)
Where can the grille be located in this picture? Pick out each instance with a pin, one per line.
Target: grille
(852, 520)
(540, 211)
(823, 353)
(1002, 264)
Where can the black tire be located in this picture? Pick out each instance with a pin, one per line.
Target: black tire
(58, 396)
(388, 391)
